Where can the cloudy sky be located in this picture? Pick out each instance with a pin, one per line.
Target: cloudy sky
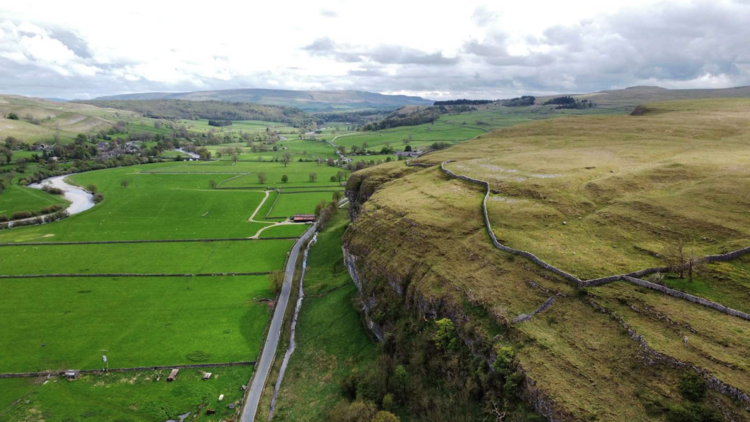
(472, 49)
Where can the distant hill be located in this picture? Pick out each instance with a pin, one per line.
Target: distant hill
(217, 110)
(44, 120)
(633, 96)
(305, 100)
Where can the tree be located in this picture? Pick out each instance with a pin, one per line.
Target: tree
(212, 184)
(262, 178)
(284, 178)
(313, 177)
(81, 139)
(7, 153)
(341, 176)
(337, 196)
(13, 116)
(286, 157)
(11, 142)
(277, 281)
(385, 416)
(124, 183)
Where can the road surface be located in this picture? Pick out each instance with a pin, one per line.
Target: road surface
(263, 367)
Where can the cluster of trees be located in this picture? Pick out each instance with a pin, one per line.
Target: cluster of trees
(568, 102)
(524, 101)
(220, 123)
(407, 116)
(19, 215)
(427, 369)
(212, 110)
(356, 118)
(51, 168)
(462, 102)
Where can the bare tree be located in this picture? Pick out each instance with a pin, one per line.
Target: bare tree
(286, 158)
(262, 178)
(675, 256)
(681, 260)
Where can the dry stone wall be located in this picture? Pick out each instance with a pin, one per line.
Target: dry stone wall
(631, 278)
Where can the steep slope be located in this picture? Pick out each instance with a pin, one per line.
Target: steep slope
(305, 100)
(594, 196)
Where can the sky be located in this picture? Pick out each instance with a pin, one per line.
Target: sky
(435, 49)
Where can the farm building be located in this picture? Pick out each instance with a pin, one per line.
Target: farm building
(173, 375)
(303, 218)
(72, 374)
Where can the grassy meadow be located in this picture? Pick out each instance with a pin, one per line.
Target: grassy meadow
(147, 258)
(17, 198)
(289, 204)
(131, 397)
(70, 322)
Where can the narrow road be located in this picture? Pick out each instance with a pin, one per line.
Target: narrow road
(263, 367)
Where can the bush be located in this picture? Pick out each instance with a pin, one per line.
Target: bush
(12, 116)
(51, 190)
(504, 362)
(692, 412)
(3, 218)
(91, 188)
(693, 387)
(98, 198)
(352, 412)
(18, 215)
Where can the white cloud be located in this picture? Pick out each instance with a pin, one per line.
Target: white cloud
(473, 49)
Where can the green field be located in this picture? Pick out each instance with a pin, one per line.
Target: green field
(17, 198)
(331, 341)
(61, 323)
(69, 322)
(289, 204)
(127, 397)
(285, 230)
(460, 127)
(299, 149)
(146, 258)
(153, 206)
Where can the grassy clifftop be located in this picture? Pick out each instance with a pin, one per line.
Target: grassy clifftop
(594, 196)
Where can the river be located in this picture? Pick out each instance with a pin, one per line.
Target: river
(80, 200)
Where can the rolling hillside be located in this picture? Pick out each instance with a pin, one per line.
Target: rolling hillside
(305, 100)
(594, 196)
(633, 96)
(40, 119)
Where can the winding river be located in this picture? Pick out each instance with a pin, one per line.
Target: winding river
(80, 199)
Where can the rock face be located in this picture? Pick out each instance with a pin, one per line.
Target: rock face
(417, 256)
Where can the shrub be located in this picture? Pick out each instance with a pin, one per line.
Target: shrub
(52, 190)
(504, 362)
(3, 218)
(22, 214)
(98, 197)
(91, 188)
(352, 412)
(12, 116)
(384, 416)
(693, 386)
(692, 412)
